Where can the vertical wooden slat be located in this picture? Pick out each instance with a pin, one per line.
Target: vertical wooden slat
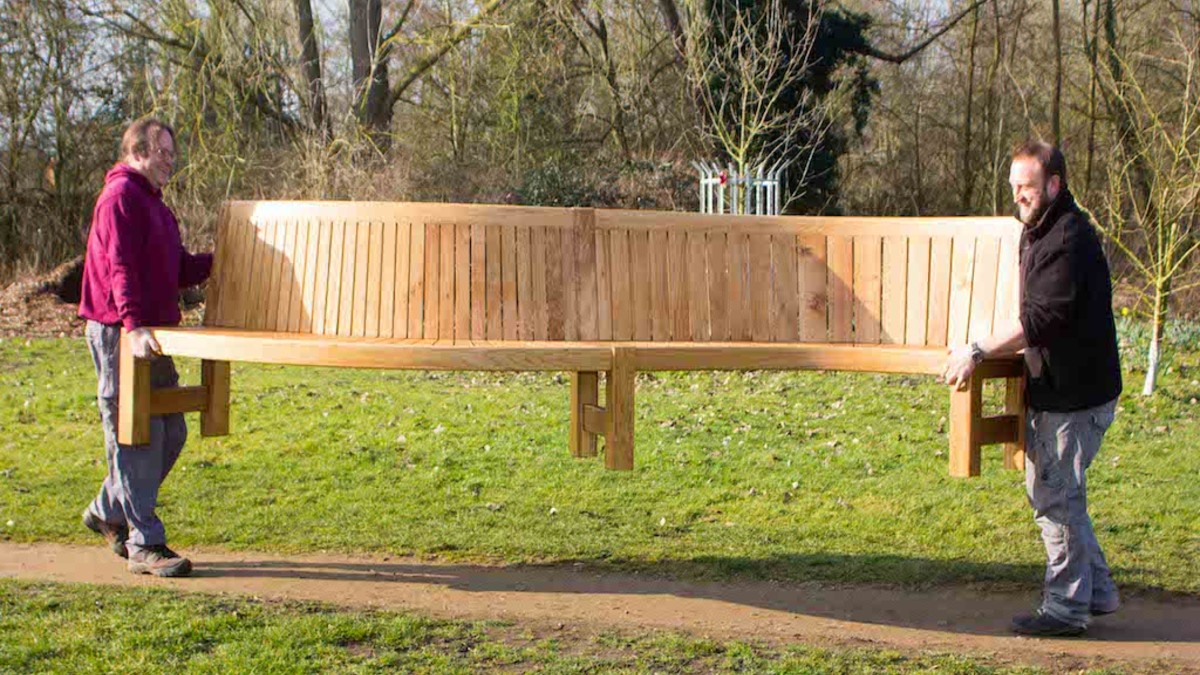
(983, 287)
(939, 291)
(639, 244)
(388, 282)
(446, 278)
(604, 315)
(895, 289)
(786, 322)
(416, 280)
(268, 301)
(570, 282)
(400, 322)
(323, 279)
(525, 304)
(311, 273)
(718, 287)
(622, 295)
(296, 308)
(1007, 285)
(510, 322)
(961, 272)
(373, 263)
(660, 285)
(738, 299)
(287, 277)
(868, 282)
(478, 282)
(336, 277)
(433, 260)
(698, 286)
(555, 297)
(462, 281)
(760, 287)
(350, 253)
(494, 257)
(917, 307)
(240, 274)
(681, 322)
(213, 307)
(840, 287)
(814, 296)
(537, 252)
(585, 262)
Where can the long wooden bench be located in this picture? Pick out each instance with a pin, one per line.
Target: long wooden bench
(595, 292)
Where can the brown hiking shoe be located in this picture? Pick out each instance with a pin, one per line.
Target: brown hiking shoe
(159, 561)
(115, 535)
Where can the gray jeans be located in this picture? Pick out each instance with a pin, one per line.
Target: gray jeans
(129, 494)
(1061, 446)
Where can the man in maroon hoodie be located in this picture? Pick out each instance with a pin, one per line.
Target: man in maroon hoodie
(134, 268)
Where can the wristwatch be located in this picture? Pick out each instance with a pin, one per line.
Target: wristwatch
(976, 353)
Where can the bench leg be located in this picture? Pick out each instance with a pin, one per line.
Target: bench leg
(133, 402)
(966, 421)
(214, 377)
(618, 437)
(1014, 404)
(585, 391)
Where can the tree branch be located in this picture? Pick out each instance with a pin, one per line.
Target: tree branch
(873, 52)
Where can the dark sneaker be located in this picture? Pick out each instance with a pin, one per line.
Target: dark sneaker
(1041, 624)
(115, 535)
(159, 561)
(1096, 610)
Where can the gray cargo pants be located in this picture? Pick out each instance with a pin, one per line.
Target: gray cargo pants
(129, 494)
(1061, 446)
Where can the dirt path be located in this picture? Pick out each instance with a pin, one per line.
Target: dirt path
(957, 619)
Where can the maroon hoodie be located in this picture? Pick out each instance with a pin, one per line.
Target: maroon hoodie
(136, 263)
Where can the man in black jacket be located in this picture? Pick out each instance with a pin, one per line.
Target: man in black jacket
(1073, 378)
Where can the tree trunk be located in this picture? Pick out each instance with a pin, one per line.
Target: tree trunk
(1056, 104)
(310, 66)
(1092, 49)
(1158, 322)
(369, 68)
(670, 14)
(968, 174)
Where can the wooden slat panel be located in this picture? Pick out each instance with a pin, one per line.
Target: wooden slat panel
(333, 300)
(537, 252)
(416, 279)
(604, 323)
(718, 287)
(1007, 285)
(525, 304)
(296, 309)
(350, 254)
(738, 297)
(800, 225)
(962, 271)
(374, 278)
(462, 281)
(494, 284)
(786, 322)
(639, 244)
(983, 287)
(433, 259)
(814, 297)
(281, 289)
(868, 283)
(403, 279)
(622, 294)
(510, 320)
(268, 260)
(388, 285)
(760, 287)
(220, 270)
(585, 261)
(917, 307)
(940, 257)
(236, 294)
(570, 284)
(308, 299)
(555, 293)
(840, 287)
(321, 287)
(895, 289)
(660, 288)
(446, 279)
(677, 291)
(478, 282)
(698, 286)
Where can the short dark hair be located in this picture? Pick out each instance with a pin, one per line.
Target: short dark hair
(140, 135)
(1049, 156)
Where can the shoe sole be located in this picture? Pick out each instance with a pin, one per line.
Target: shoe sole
(1061, 632)
(117, 545)
(181, 569)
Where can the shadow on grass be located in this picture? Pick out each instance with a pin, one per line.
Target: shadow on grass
(948, 602)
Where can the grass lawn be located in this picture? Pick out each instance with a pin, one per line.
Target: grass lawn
(799, 476)
(82, 629)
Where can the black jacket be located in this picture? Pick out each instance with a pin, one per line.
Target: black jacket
(1066, 310)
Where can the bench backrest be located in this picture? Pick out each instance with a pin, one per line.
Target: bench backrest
(483, 272)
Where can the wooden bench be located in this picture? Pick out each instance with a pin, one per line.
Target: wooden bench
(591, 292)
